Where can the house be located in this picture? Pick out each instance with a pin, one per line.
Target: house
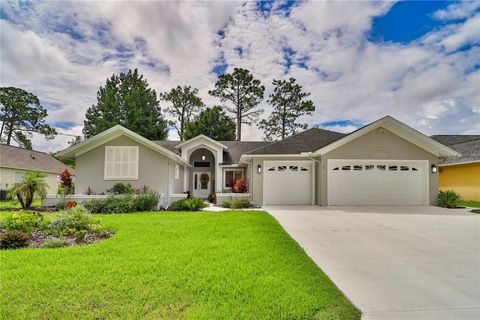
(461, 174)
(384, 163)
(15, 162)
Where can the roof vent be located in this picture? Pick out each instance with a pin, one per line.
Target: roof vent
(33, 157)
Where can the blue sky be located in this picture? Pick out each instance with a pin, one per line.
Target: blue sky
(417, 61)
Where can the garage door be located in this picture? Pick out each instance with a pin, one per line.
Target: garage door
(377, 182)
(287, 182)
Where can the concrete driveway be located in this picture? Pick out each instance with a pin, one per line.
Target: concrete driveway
(395, 262)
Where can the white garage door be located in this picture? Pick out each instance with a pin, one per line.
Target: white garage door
(287, 183)
(377, 182)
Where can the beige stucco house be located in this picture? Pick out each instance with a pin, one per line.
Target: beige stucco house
(15, 162)
(383, 163)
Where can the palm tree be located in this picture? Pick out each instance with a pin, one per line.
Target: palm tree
(31, 184)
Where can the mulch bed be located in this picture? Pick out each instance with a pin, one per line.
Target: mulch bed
(38, 238)
(34, 209)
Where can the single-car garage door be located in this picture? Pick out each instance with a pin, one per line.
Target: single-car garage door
(288, 183)
(377, 182)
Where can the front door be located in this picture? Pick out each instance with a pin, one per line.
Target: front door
(201, 184)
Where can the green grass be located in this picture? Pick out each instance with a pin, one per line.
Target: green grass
(472, 204)
(202, 265)
(16, 204)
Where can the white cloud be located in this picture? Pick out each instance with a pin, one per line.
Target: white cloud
(461, 10)
(428, 83)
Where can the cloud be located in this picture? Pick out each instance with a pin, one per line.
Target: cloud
(461, 10)
(64, 53)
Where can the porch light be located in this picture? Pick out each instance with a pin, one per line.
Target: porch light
(434, 168)
(203, 158)
(259, 169)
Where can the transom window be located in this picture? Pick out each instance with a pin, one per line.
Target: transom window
(201, 164)
(121, 162)
(232, 175)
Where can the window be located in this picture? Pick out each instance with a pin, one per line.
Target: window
(271, 169)
(232, 175)
(382, 167)
(303, 169)
(403, 168)
(282, 168)
(335, 169)
(346, 168)
(19, 176)
(369, 167)
(121, 162)
(177, 171)
(201, 164)
(357, 168)
(392, 168)
(294, 168)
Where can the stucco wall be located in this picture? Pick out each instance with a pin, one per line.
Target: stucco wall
(7, 179)
(463, 179)
(153, 170)
(196, 155)
(379, 145)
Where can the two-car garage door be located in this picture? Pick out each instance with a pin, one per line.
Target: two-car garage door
(377, 182)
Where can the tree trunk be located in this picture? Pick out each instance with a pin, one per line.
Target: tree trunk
(10, 133)
(239, 116)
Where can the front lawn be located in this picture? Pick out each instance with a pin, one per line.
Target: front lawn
(15, 204)
(202, 265)
(471, 204)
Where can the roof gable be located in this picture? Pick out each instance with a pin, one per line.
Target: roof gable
(111, 134)
(24, 159)
(400, 129)
(200, 139)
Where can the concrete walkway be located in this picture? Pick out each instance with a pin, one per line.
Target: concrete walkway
(395, 262)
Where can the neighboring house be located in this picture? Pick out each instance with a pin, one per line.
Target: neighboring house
(461, 174)
(383, 163)
(15, 162)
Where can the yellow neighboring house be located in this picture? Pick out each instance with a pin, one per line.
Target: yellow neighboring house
(461, 174)
(15, 162)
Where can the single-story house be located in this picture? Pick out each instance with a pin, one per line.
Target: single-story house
(15, 162)
(461, 174)
(384, 163)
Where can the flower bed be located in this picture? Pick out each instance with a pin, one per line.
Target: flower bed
(75, 226)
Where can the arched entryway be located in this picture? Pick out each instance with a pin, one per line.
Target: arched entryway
(202, 172)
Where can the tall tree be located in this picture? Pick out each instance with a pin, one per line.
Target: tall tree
(185, 104)
(289, 103)
(212, 122)
(126, 99)
(21, 115)
(244, 92)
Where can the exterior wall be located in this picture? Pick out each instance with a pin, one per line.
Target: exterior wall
(153, 169)
(256, 183)
(464, 179)
(7, 179)
(176, 185)
(378, 145)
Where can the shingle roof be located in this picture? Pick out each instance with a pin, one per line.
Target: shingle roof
(307, 141)
(230, 156)
(467, 145)
(19, 158)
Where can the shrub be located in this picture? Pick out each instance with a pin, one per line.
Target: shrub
(66, 183)
(70, 204)
(240, 186)
(120, 188)
(55, 243)
(74, 220)
(448, 199)
(226, 204)
(33, 183)
(124, 203)
(189, 204)
(240, 203)
(212, 197)
(24, 221)
(13, 239)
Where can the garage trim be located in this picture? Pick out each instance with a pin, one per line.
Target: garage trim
(311, 163)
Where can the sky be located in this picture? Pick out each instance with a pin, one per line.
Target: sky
(361, 60)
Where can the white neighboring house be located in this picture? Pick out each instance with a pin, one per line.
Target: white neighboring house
(384, 163)
(15, 162)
